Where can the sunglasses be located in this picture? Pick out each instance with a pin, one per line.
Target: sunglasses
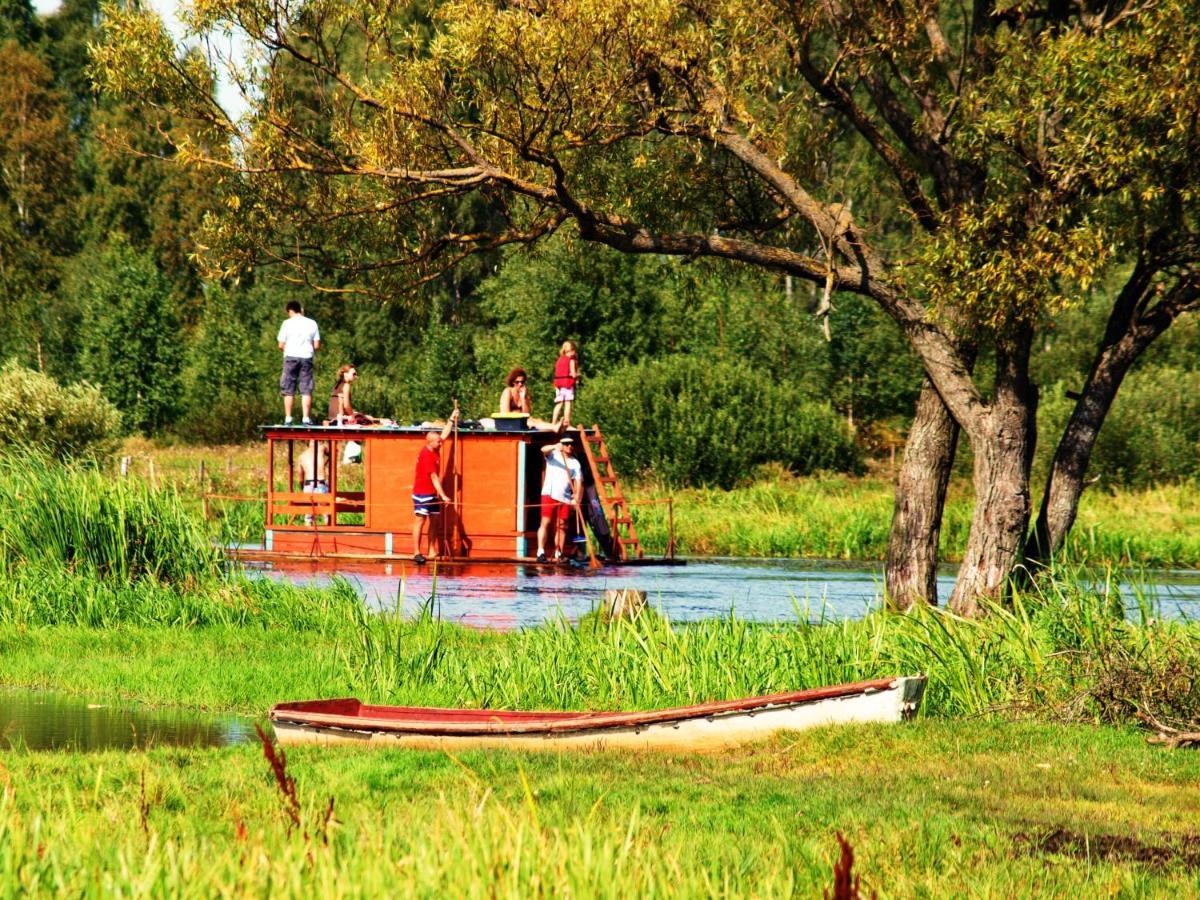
(519, 381)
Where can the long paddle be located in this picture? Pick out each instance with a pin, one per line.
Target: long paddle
(456, 452)
(453, 485)
(593, 562)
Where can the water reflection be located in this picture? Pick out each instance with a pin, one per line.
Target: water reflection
(506, 596)
(38, 720)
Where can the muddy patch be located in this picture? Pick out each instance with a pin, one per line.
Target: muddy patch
(1169, 851)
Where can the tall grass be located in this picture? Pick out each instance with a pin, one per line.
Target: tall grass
(1063, 650)
(80, 549)
(84, 519)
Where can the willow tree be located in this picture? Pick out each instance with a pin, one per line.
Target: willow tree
(970, 170)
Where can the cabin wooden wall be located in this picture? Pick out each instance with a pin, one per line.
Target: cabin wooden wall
(495, 477)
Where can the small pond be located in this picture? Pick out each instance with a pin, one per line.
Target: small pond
(505, 596)
(40, 720)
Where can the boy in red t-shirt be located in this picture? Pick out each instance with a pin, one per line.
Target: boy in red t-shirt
(427, 492)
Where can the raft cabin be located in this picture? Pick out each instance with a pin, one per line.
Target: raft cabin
(492, 477)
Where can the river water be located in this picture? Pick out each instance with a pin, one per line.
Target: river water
(40, 720)
(512, 596)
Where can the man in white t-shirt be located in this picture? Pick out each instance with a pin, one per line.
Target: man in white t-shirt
(298, 339)
(562, 489)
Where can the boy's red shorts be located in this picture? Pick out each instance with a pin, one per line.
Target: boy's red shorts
(554, 509)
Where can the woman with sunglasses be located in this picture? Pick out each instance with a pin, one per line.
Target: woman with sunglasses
(515, 398)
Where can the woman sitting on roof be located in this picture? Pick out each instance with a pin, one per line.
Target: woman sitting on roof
(516, 399)
(341, 410)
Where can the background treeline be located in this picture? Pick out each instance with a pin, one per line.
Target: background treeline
(700, 372)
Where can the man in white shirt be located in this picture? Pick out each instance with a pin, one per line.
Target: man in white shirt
(562, 489)
(298, 339)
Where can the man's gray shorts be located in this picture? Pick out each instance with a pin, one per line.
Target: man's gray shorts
(296, 370)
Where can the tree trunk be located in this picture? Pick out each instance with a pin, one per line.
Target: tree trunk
(1003, 440)
(912, 558)
(1064, 484)
(1131, 329)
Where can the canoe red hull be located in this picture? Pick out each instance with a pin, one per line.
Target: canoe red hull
(713, 724)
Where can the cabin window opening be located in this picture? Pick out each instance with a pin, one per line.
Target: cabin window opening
(316, 481)
(349, 483)
(535, 463)
(301, 482)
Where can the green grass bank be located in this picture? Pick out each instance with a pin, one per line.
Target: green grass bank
(841, 517)
(1023, 775)
(931, 809)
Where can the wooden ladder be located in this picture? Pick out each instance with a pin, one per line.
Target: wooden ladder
(608, 489)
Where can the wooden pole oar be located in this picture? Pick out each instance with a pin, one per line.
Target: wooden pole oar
(446, 549)
(456, 456)
(593, 563)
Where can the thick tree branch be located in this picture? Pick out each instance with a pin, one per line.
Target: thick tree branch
(907, 178)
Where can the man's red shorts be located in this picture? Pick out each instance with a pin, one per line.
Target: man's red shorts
(554, 509)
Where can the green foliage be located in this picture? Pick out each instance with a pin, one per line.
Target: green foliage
(228, 377)
(623, 309)
(694, 421)
(1152, 433)
(36, 190)
(439, 369)
(72, 422)
(873, 373)
(610, 303)
(132, 346)
(18, 22)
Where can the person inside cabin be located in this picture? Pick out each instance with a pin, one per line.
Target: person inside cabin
(515, 398)
(428, 495)
(566, 376)
(314, 471)
(341, 409)
(562, 488)
(299, 339)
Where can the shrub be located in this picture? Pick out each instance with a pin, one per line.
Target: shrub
(72, 422)
(688, 420)
(1151, 435)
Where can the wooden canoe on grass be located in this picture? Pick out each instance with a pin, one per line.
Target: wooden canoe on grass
(706, 726)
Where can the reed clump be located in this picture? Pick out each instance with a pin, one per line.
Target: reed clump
(81, 517)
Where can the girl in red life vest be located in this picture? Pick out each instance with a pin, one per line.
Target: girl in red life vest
(566, 374)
